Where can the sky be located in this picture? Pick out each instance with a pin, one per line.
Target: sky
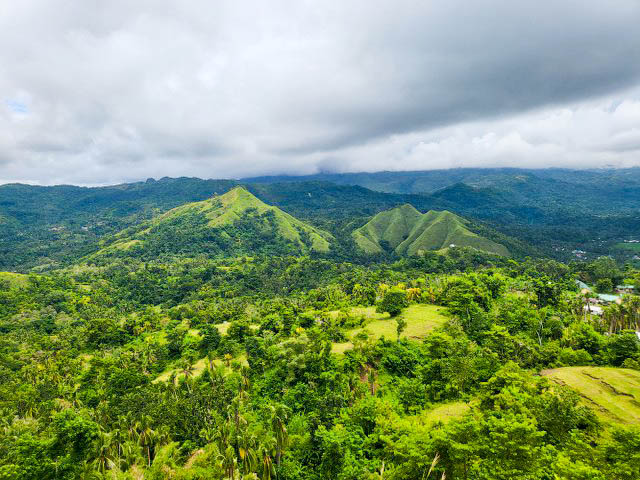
(95, 92)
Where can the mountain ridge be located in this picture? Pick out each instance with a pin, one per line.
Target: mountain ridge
(213, 226)
(409, 232)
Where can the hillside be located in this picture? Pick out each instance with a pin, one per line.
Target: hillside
(613, 393)
(406, 231)
(235, 223)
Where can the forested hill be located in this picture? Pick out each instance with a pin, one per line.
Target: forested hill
(548, 212)
(406, 231)
(233, 224)
(583, 186)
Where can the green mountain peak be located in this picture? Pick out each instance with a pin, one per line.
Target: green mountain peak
(406, 231)
(234, 223)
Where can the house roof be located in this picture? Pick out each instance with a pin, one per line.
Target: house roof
(582, 285)
(605, 297)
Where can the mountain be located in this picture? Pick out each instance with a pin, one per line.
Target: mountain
(235, 223)
(557, 182)
(406, 231)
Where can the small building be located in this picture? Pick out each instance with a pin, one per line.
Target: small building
(607, 298)
(582, 285)
(625, 289)
(593, 309)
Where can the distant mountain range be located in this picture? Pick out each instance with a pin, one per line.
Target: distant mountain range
(530, 212)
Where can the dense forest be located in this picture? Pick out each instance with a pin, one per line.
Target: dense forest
(217, 343)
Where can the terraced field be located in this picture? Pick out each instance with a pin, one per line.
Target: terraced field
(614, 393)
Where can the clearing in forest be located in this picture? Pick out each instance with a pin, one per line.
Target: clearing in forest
(14, 279)
(614, 393)
(421, 320)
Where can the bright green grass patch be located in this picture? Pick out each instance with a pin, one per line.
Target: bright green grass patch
(614, 393)
(198, 367)
(440, 413)
(127, 245)
(444, 413)
(14, 279)
(421, 320)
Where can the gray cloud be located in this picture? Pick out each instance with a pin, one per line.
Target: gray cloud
(99, 92)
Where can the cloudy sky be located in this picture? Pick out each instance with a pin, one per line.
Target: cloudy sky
(98, 92)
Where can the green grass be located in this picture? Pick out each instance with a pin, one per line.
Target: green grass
(421, 320)
(224, 210)
(410, 232)
(444, 413)
(614, 393)
(198, 367)
(440, 413)
(14, 279)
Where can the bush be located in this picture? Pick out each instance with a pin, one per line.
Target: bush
(393, 302)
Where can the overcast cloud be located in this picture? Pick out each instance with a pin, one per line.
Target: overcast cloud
(98, 92)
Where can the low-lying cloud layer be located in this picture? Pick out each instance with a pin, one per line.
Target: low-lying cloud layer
(101, 92)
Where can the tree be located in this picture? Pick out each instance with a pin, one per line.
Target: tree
(210, 338)
(393, 302)
(146, 436)
(604, 285)
(279, 415)
(402, 324)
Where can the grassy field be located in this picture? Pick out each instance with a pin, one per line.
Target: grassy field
(439, 413)
(614, 393)
(14, 279)
(446, 412)
(421, 319)
(198, 368)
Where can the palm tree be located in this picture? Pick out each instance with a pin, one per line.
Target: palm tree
(633, 309)
(246, 382)
(104, 459)
(146, 435)
(229, 462)
(279, 415)
(247, 451)
(268, 469)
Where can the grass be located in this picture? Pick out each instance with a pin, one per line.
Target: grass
(421, 320)
(198, 367)
(444, 413)
(440, 413)
(226, 210)
(410, 232)
(614, 393)
(14, 279)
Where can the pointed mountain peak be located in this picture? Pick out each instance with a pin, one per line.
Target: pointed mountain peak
(235, 194)
(408, 232)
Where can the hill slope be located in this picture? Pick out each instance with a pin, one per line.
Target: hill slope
(235, 223)
(613, 393)
(408, 232)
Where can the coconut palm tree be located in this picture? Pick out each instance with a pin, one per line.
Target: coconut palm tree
(279, 416)
(146, 435)
(104, 452)
(633, 310)
(247, 451)
(267, 467)
(229, 462)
